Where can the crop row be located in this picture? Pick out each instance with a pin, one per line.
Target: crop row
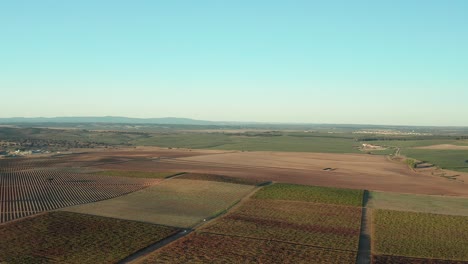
(26, 192)
(321, 225)
(421, 235)
(211, 248)
(61, 237)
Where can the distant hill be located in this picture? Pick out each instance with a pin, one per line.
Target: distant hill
(110, 119)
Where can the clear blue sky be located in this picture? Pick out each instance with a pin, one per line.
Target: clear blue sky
(374, 62)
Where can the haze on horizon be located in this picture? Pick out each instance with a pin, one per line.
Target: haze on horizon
(354, 62)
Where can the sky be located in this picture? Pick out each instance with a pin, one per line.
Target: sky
(399, 62)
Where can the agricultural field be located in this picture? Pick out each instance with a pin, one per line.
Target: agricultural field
(456, 160)
(173, 202)
(320, 225)
(420, 235)
(61, 237)
(419, 203)
(211, 248)
(137, 174)
(29, 186)
(293, 192)
(384, 259)
(218, 178)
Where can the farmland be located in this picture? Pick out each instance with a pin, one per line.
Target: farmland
(62, 237)
(420, 235)
(210, 248)
(136, 174)
(447, 159)
(315, 194)
(173, 202)
(320, 225)
(419, 203)
(26, 188)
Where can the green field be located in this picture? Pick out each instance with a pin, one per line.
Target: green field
(210, 248)
(173, 202)
(264, 142)
(418, 203)
(61, 237)
(136, 174)
(219, 178)
(446, 159)
(322, 225)
(293, 192)
(420, 235)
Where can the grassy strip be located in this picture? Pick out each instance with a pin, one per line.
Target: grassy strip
(219, 178)
(64, 237)
(292, 192)
(421, 235)
(137, 174)
(209, 248)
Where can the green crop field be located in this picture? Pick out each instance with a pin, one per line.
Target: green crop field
(264, 142)
(219, 178)
(323, 225)
(447, 159)
(293, 192)
(62, 237)
(419, 203)
(173, 202)
(420, 235)
(210, 248)
(136, 174)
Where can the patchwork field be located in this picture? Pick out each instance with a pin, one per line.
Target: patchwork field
(29, 186)
(210, 248)
(355, 171)
(320, 225)
(419, 203)
(454, 159)
(173, 202)
(61, 237)
(284, 229)
(420, 235)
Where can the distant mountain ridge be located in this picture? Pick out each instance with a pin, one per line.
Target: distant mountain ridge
(112, 119)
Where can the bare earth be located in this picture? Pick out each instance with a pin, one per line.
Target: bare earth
(444, 147)
(358, 171)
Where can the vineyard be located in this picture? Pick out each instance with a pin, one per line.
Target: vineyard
(421, 235)
(321, 225)
(316, 194)
(210, 248)
(174, 202)
(29, 186)
(61, 237)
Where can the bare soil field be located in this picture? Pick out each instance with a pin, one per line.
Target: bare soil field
(444, 147)
(356, 171)
(173, 202)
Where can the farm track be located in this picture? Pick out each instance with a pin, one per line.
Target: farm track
(26, 189)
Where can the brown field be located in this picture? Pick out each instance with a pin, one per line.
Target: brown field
(444, 147)
(210, 248)
(357, 171)
(173, 202)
